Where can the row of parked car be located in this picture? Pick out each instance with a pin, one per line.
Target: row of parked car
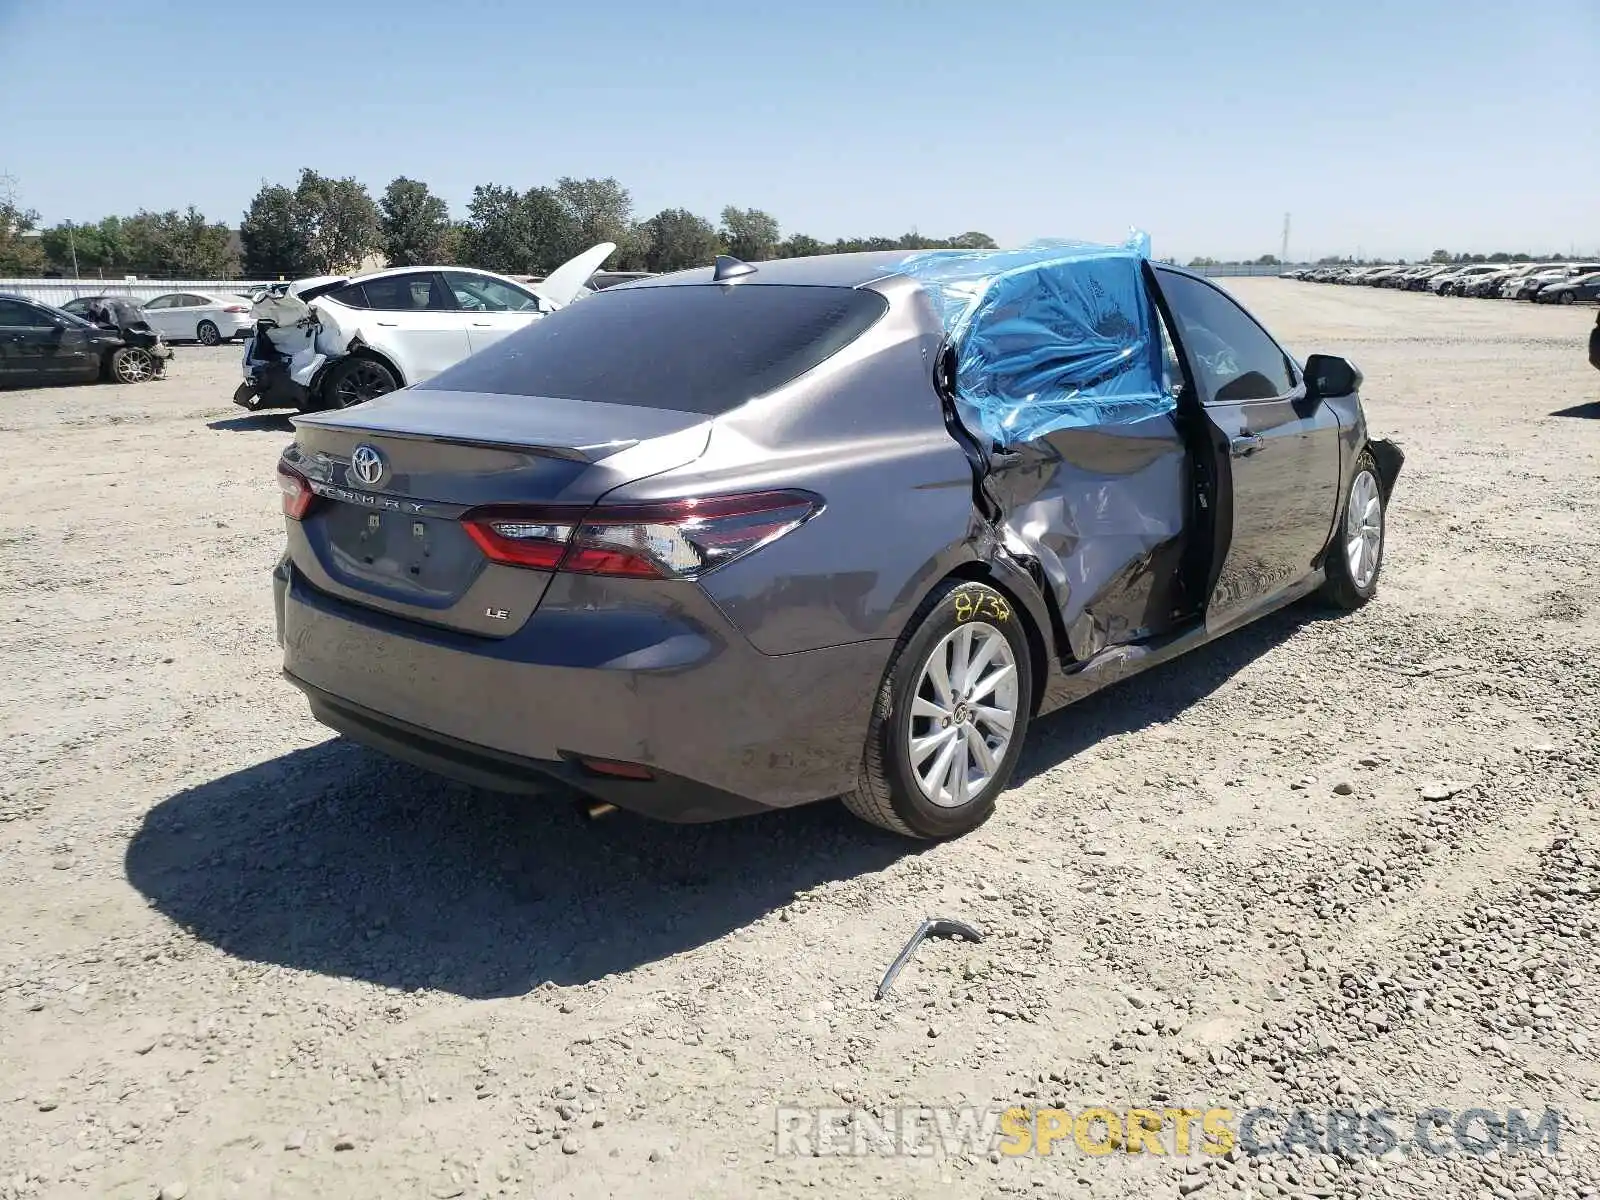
(427, 313)
(1545, 283)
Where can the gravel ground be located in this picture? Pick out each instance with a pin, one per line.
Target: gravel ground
(1345, 862)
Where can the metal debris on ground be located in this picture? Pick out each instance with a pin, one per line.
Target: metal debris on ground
(933, 927)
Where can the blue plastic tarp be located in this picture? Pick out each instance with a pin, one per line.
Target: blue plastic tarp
(1054, 335)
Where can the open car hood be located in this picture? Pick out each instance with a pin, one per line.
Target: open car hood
(566, 283)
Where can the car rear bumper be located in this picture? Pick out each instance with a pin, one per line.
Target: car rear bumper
(269, 386)
(723, 729)
(664, 797)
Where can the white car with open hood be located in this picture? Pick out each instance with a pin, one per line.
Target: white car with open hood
(334, 341)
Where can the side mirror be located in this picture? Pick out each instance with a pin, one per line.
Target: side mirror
(1328, 375)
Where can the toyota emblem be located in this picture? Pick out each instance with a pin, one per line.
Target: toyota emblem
(367, 465)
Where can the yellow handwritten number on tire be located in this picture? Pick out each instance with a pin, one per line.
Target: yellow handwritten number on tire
(976, 604)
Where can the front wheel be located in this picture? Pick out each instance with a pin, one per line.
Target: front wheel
(1567, 297)
(950, 718)
(1355, 559)
(133, 364)
(208, 334)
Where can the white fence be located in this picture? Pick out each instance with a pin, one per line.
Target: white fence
(59, 291)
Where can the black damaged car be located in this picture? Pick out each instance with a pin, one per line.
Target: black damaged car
(43, 345)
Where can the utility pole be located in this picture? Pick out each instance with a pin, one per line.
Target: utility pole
(1283, 255)
(72, 244)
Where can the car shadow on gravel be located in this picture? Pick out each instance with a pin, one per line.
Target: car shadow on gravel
(267, 422)
(337, 860)
(1160, 694)
(1590, 410)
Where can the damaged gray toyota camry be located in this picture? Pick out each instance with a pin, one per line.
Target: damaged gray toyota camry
(755, 535)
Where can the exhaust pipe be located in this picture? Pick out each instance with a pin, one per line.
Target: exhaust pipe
(595, 809)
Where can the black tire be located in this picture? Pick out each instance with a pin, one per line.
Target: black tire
(356, 380)
(1342, 589)
(132, 364)
(1568, 298)
(208, 334)
(888, 794)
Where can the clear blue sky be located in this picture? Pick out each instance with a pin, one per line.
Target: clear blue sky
(1391, 127)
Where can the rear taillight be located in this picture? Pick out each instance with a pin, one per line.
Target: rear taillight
(522, 537)
(613, 769)
(682, 539)
(297, 493)
(235, 308)
(671, 539)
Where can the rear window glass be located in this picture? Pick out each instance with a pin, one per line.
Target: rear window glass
(690, 348)
(353, 294)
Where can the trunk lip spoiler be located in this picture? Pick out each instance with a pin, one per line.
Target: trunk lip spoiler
(585, 431)
(591, 452)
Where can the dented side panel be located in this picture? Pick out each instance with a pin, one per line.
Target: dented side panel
(1102, 511)
(1353, 438)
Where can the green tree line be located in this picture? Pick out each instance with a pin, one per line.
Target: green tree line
(321, 225)
(146, 243)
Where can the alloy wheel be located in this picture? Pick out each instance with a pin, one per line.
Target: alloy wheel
(208, 334)
(1363, 530)
(962, 714)
(135, 365)
(363, 382)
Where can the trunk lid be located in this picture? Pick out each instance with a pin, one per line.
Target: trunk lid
(563, 285)
(394, 475)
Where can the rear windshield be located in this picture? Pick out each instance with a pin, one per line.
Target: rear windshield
(700, 348)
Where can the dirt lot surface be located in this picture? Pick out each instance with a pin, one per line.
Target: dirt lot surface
(1323, 863)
